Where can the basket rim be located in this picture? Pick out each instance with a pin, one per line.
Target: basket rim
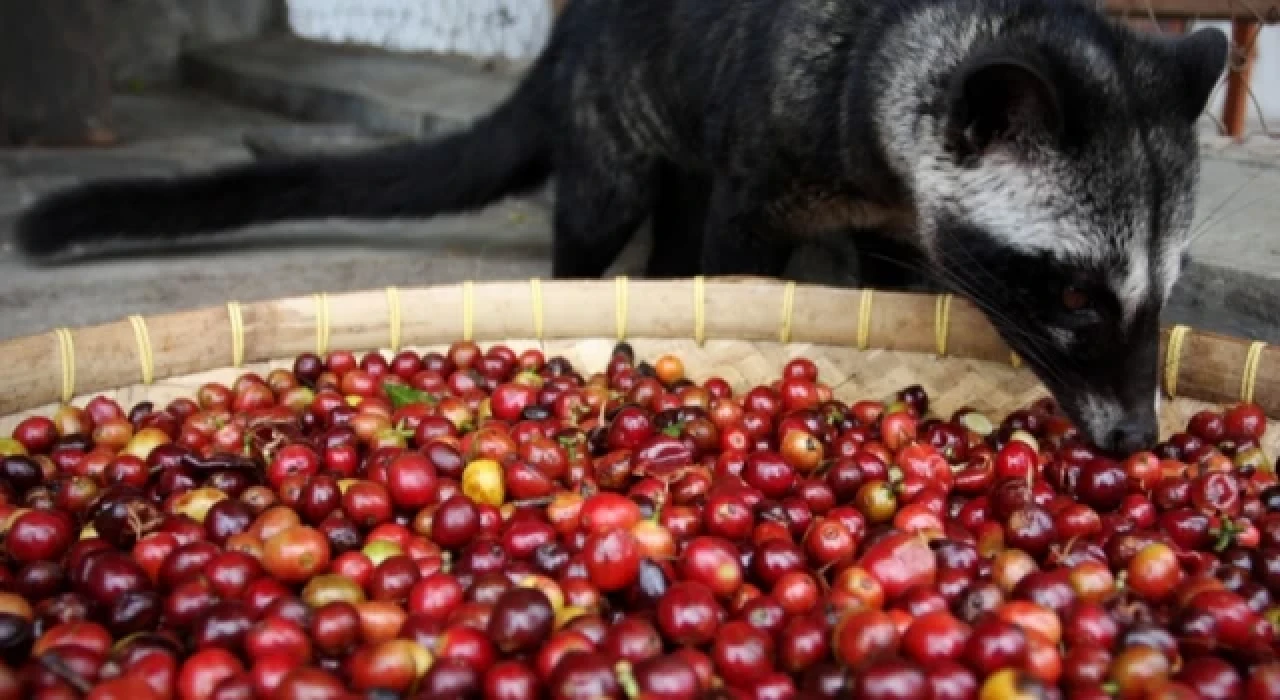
(54, 366)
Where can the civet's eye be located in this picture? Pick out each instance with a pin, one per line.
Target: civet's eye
(1075, 299)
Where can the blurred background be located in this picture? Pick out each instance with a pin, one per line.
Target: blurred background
(101, 88)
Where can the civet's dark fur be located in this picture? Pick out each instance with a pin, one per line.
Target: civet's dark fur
(1022, 146)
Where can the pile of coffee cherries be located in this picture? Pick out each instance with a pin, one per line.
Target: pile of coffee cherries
(480, 523)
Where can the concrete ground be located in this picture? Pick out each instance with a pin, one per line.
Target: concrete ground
(298, 97)
(179, 132)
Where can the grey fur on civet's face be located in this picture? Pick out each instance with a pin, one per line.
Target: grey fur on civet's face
(1099, 199)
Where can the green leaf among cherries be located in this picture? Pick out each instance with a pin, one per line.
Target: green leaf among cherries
(402, 396)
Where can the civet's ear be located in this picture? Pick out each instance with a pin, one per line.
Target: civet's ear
(1201, 58)
(1001, 99)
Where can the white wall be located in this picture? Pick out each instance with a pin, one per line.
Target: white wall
(510, 29)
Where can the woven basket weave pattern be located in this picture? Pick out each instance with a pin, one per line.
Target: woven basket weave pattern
(740, 320)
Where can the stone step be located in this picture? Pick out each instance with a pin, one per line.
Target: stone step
(412, 95)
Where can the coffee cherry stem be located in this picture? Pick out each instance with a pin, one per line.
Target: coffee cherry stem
(627, 679)
(58, 668)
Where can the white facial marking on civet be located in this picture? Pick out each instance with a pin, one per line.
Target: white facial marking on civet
(1170, 267)
(1098, 413)
(1177, 233)
(1022, 205)
(1133, 286)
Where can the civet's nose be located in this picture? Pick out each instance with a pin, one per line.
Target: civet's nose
(1131, 435)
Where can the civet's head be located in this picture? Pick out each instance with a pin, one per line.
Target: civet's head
(1059, 197)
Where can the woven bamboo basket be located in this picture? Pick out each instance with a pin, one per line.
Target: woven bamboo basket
(867, 344)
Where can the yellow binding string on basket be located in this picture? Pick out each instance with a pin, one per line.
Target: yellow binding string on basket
(788, 306)
(1173, 359)
(393, 317)
(1250, 377)
(468, 309)
(236, 318)
(699, 309)
(145, 359)
(535, 297)
(67, 354)
(864, 319)
(322, 323)
(942, 323)
(620, 305)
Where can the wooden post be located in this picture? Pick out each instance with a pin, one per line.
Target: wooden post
(1267, 10)
(54, 88)
(1244, 35)
(1160, 26)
